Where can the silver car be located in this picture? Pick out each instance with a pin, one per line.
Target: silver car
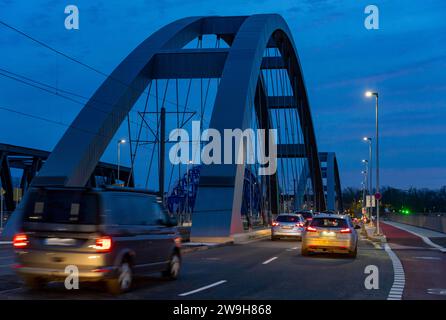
(288, 226)
(330, 233)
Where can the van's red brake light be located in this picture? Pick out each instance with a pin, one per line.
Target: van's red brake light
(311, 229)
(346, 230)
(103, 244)
(275, 224)
(20, 240)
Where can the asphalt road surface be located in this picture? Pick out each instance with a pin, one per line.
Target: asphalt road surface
(265, 269)
(259, 270)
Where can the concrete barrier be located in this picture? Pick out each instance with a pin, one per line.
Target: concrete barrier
(436, 223)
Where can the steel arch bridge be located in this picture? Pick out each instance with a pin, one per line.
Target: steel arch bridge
(242, 87)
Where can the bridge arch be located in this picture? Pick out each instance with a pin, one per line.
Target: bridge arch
(240, 81)
(79, 150)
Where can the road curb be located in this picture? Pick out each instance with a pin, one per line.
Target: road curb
(368, 232)
(252, 236)
(188, 248)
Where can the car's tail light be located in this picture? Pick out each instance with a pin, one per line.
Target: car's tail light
(346, 230)
(275, 224)
(299, 224)
(103, 244)
(20, 240)
(311, 229)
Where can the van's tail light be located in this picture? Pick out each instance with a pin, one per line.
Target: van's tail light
(275, 224)
(299, 224)
(103, 244)
(20, 240)
(177, 241)
(346, 230)
(311, 229)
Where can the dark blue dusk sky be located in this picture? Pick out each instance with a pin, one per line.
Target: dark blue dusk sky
(405, 60)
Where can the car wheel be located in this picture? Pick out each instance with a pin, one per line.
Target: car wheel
(173, 269)
(123, 281)
(304, 252)
(34, 283)
(354, 253)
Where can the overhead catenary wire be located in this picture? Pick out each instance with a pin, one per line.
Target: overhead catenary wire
(67, 94)
(59, 52)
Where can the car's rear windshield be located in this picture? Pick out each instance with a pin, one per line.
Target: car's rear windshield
(287, 218)
(329, 223)
(62, 206)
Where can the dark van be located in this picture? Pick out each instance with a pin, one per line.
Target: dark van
(106, 234)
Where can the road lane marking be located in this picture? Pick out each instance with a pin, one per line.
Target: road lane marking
(396, 291)
(202, 288)
(437, 291)
(428, 258)
(212, 259)
(269, 260)
(10, 290)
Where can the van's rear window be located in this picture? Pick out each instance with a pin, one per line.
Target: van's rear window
(62, 206)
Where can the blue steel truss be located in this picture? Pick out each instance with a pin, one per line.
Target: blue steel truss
(181, 200)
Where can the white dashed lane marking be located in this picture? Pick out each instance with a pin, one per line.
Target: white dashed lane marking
(399, 281)
(269, 260)
(202, 288)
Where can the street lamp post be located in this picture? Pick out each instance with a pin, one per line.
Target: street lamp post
(370, 94)
(121, 141)
(369, 141)
(187, 194)
(1, 208)
(365, 185)
(365, 173)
